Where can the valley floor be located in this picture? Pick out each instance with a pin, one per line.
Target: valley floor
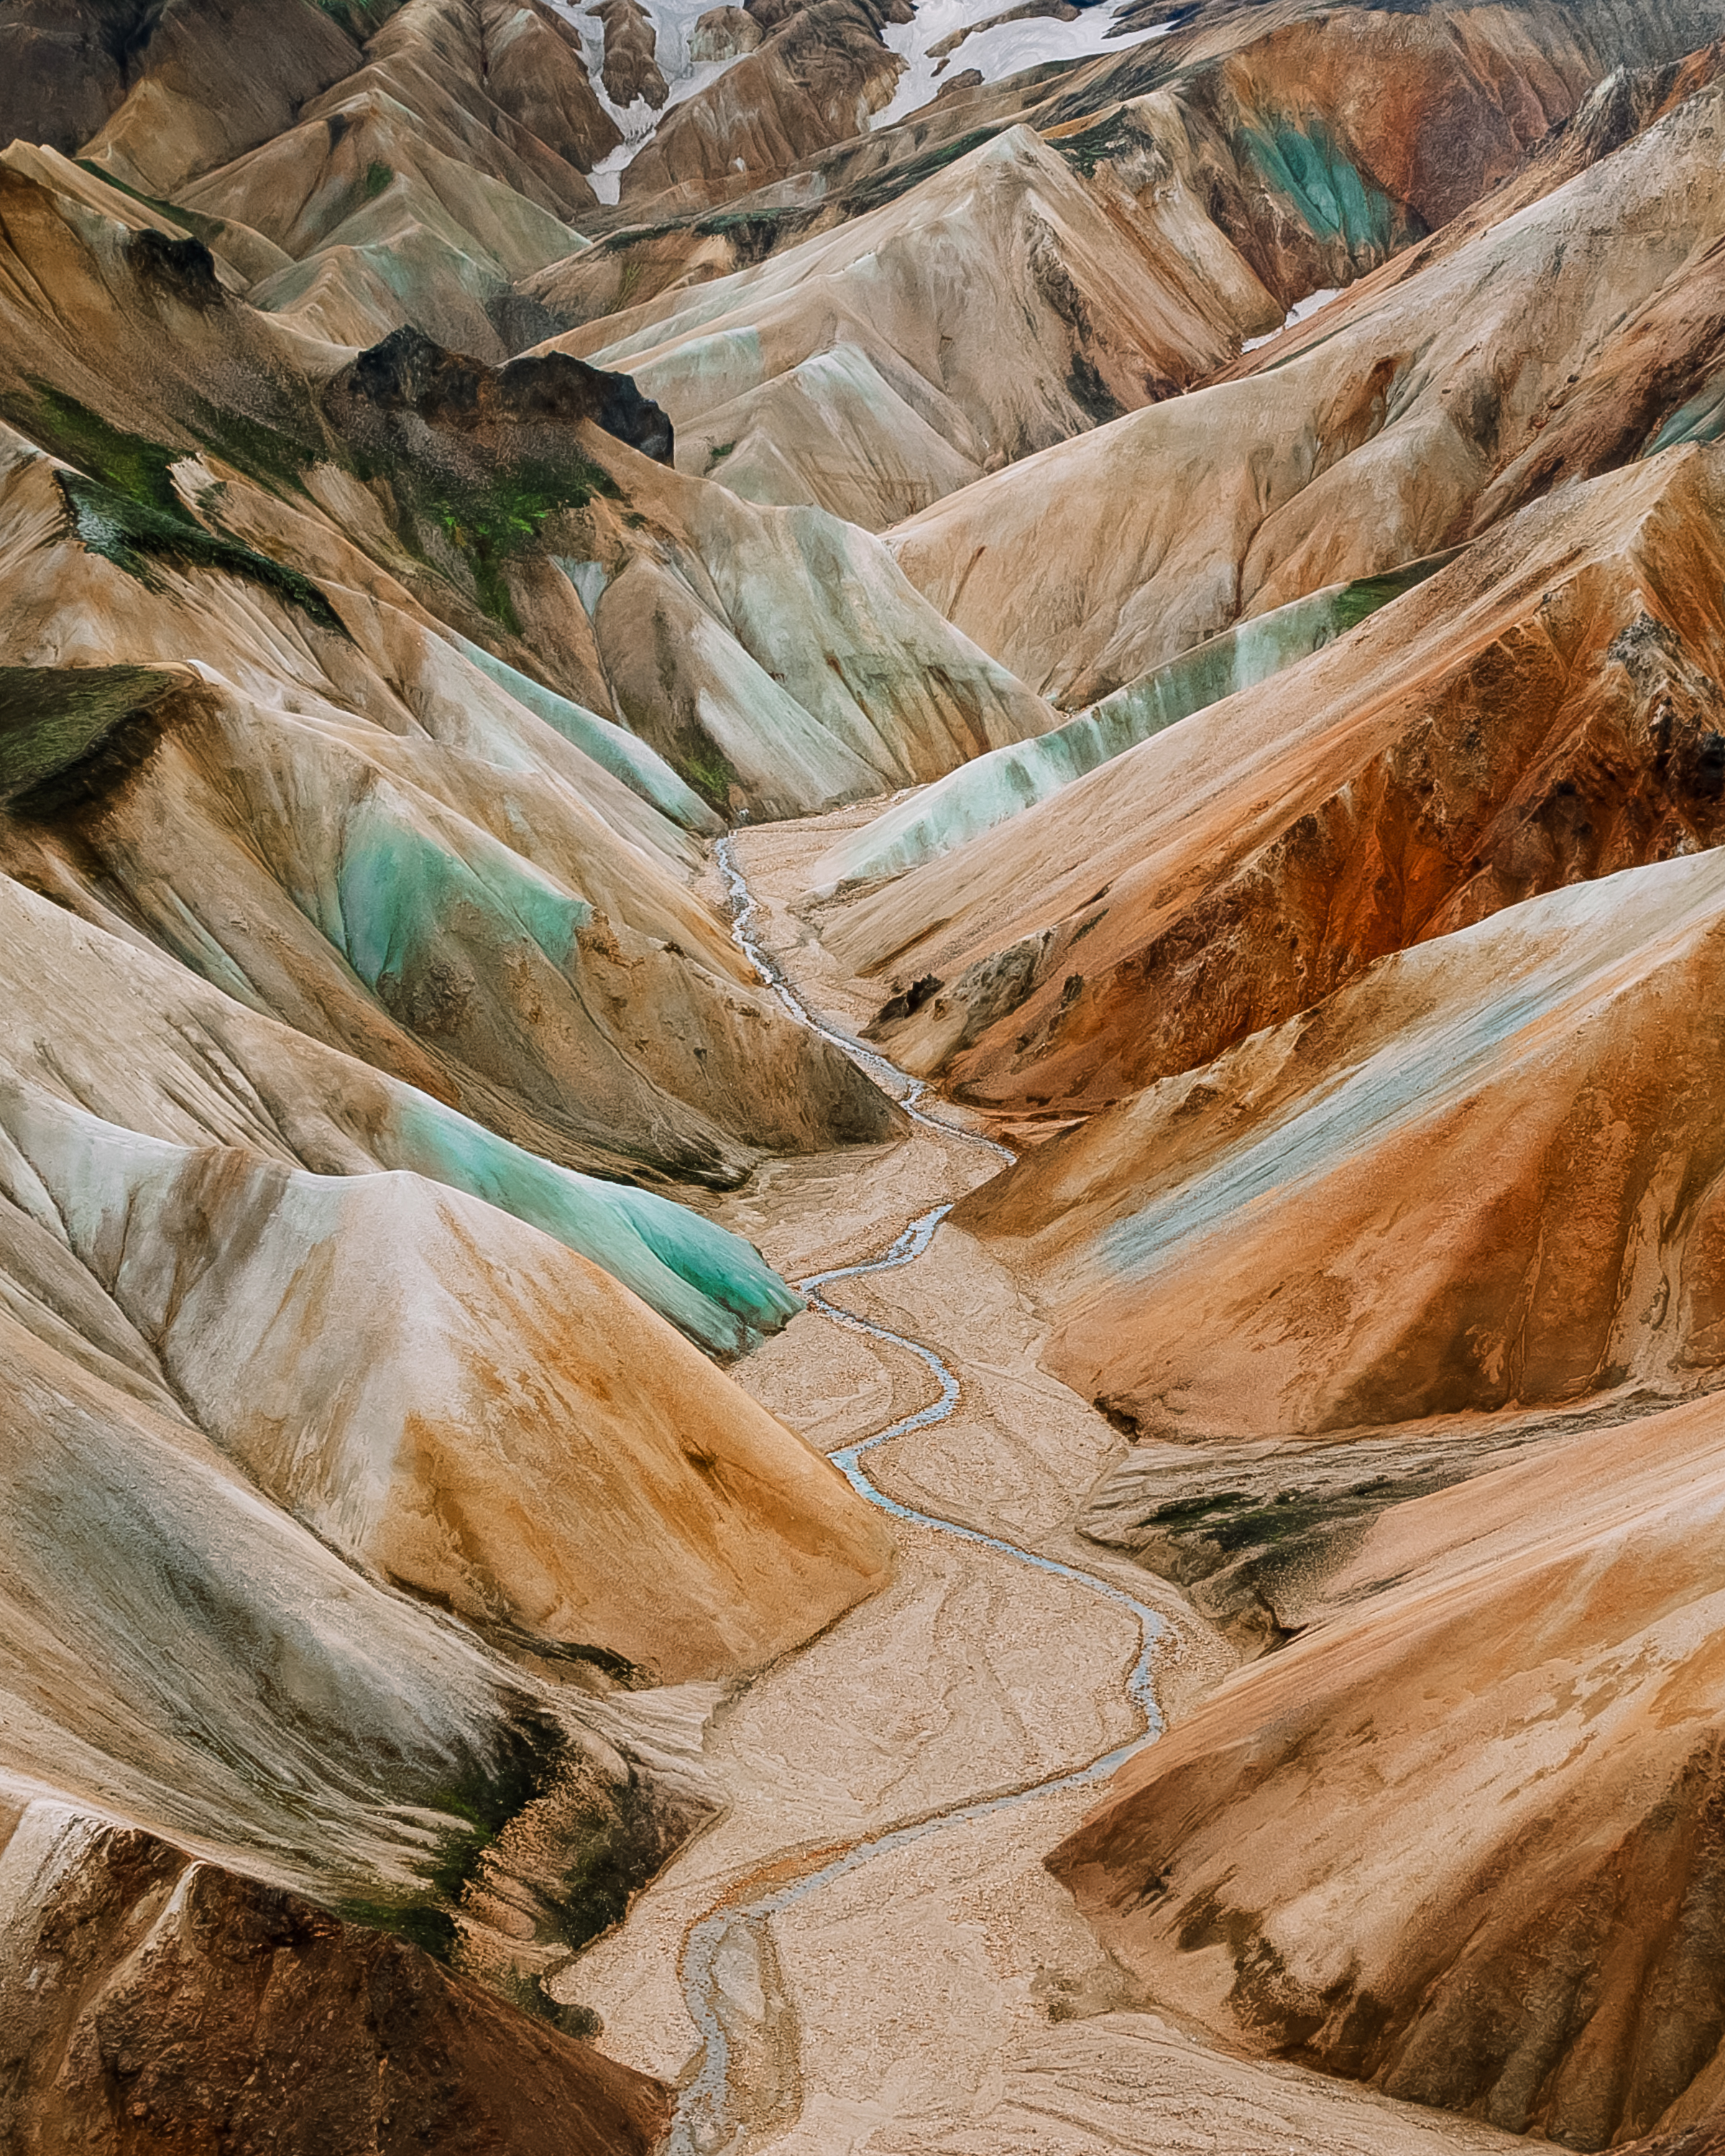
(942, 1994)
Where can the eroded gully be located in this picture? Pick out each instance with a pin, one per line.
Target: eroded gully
(708, 2120)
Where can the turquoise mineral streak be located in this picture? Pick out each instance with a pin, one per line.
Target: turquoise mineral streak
(1336, 202)
(642, 769)
(400, 885)
(993, 787)
(709, 1284)
(1701, 419)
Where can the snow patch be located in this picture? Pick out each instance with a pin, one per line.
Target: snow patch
(1006, 50)
(673, 24)
(1297, 313)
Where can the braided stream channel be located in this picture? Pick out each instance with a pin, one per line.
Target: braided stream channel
(707, 2122)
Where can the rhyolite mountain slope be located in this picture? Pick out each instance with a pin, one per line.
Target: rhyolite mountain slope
(1383, 1229)
(1003, 304)
(1021, 290)
(1459, 1838)
(157, 2002)
(1543, 709)
(456, 460)
(1406, 403)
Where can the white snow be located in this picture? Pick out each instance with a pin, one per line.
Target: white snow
(1297, 313)
(998, 53)
(673, 23)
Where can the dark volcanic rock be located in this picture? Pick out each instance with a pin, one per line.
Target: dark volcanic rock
(151, 2004)
(409, 372)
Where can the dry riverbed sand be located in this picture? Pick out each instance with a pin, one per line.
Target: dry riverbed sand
(942, 1995)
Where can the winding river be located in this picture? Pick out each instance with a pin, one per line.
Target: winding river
(705, 2124)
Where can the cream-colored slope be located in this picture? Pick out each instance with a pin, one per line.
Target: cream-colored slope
(208, 79)
(1540, 712)
(338, 1499)
(779, 656)
(111, 1025)
(1460, 1840)
(779, 659)
(1086, 565)
(1484, 1176)
(454, 1402)
(1002, 305)
(368, 200)
(365, 836)
(181, 1654)
(427, 181)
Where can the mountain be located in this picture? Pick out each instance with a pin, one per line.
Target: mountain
(859, 915)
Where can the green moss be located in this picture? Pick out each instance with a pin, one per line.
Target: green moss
(479, 1804)
(707, 769)
(490, 526)
(135, 535)
(137, 466)
(131, 464)
(715, 456)
(208, 229)
(1112, 136)
(754, 233)
(1189, 1512)
(610, 1870)
(360, 18)
(174, 215)
(376, 179)
(54, 719)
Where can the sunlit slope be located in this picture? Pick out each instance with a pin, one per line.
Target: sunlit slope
(1459, 1839)
(1540, 712)
(1002, 305)
(1375, 443)
(1477, 1178)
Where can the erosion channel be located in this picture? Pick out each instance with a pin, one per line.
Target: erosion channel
(864, 1953)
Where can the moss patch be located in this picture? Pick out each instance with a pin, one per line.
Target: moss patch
(123, 506)
(706, 768)
(138, 467)
(610, 1870)
(479, 1804)
(54, 719)
(489, 525)
(360, 18)
(136, 535)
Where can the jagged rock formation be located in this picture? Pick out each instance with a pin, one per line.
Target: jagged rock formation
(153, 2002)
(812, 81)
